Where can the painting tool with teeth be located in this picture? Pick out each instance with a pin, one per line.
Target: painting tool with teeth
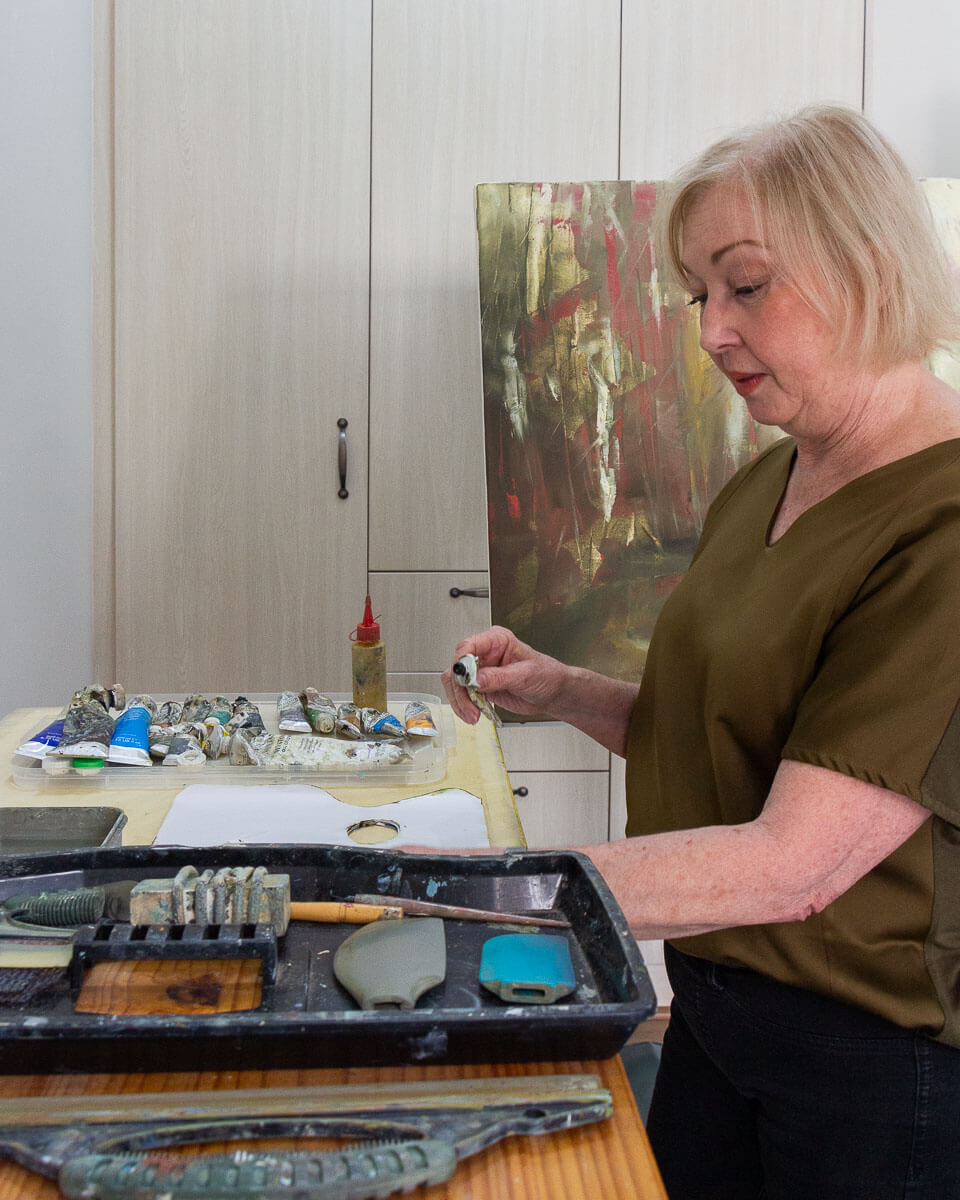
(110, 1147)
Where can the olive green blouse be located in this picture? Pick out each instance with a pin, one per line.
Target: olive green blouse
(838, 645)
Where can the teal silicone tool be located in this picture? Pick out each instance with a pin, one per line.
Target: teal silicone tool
(527, 968)
(353, 1173)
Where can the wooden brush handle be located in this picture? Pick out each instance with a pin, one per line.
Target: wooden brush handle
(336, 911)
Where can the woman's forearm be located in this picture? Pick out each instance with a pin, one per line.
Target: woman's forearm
(596, 705)
(695, 881)
(819, 833)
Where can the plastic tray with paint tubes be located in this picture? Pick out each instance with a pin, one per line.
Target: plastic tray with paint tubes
(169, 740)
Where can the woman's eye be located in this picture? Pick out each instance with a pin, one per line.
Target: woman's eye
(748, 289)
(701, 300)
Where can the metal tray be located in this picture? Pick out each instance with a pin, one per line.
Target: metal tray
(47, 828)
(306, 1019)
(428, 759)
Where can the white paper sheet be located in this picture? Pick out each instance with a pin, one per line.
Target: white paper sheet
(217, 815)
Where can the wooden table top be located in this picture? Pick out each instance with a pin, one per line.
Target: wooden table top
(610, 1160)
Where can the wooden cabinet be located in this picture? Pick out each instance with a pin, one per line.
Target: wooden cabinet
(234, 261)
(463, 93)
(561, 779)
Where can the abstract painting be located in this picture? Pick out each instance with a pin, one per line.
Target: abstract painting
(943, 196)
(608, 432)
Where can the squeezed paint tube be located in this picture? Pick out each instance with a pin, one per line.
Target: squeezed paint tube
(88, 725)
(380, 724)
(349, 724)
(185, 749)
(160, 738)
(162, 729)
(130, 744)
(213, 742)
(195, 708)
(40, 745)
(219, 710)
(302, 750)
(419, 720)
(246, 715)
(170, 712)
(290, 715)
(321, 711)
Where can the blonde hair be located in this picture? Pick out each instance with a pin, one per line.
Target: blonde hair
(847, 223)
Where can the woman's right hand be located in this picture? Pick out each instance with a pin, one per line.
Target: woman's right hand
(510, 673)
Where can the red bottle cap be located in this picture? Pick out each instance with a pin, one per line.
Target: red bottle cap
(368, 630)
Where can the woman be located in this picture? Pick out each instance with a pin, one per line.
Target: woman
(793, 750)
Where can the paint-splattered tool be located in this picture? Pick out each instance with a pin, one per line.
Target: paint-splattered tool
(457, 912)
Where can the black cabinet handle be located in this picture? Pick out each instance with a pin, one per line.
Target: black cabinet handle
(520, 791)
(342, 457)
(480, 593)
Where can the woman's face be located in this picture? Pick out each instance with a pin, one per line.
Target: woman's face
(777, 352)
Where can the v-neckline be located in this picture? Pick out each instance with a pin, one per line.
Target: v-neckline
(857, 479)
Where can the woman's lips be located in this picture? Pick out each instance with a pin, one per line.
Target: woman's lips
(745, 384)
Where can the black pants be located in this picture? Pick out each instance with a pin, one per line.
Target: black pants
(769, 1091)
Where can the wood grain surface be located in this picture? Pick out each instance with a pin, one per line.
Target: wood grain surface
(607, 1161)
(184, 988)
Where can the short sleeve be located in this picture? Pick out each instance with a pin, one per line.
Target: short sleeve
(882, 704)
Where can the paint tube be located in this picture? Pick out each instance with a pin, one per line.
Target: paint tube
(195, 708)
(219, 710)
(380, 724)
(349, 724)
(418, 720)
(321, 711)
(40, 745)
(246, 716)
(170, 712)
(213, 742)
(88, 725)
(159, 739)
(290, 715)
(162, 730)
(300, 750)
(185, 749)
(130, 743)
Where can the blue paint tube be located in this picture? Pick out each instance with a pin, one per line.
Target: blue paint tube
(129, 745)
(43, 742)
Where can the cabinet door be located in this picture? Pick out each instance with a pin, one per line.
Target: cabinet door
(562, 808)
(240, 219)
(693, 72)
(422, 621)
(464, 93)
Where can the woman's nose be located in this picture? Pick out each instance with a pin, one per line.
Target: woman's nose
(717, 329)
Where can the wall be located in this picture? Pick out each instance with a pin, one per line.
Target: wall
(45, 349)
(912, 83)
(912, 89)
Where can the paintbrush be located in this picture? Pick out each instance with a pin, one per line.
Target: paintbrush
(345, 912)
(456, 912)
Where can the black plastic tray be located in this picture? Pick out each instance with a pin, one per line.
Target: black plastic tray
(306, 1019)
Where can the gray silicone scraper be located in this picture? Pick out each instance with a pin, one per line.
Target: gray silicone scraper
(392, 962)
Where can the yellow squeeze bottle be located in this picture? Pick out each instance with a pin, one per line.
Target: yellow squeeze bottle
(369, 657)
